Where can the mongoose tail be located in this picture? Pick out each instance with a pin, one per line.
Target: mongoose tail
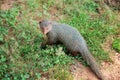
(92, 63)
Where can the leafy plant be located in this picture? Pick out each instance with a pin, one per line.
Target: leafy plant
(116, 44)
(20, 39)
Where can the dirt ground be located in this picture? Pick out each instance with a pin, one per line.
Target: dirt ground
(111, 70)
(6, 4)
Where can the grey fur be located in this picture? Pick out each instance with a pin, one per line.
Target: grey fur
(73, 40)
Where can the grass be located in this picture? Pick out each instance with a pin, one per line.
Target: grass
(97, 28)
(20, 38)
(116, 45)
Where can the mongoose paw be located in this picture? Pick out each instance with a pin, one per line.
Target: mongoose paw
(42, 46)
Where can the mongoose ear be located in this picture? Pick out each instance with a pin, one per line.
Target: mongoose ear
(50, 25)
(50, 22)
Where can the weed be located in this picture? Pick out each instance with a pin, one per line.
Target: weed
(116, 44)
(59, 73)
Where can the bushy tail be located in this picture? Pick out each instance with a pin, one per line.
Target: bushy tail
(93, 64)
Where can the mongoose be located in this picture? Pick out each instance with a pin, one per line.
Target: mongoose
(72, 39)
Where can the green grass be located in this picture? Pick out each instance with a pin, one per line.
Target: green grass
(94, 30)
(116, 45)
(20, 54)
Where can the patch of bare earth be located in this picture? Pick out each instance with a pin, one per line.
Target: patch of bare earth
(81, 72)
(111, 70)
(55, 14)
(6, 4)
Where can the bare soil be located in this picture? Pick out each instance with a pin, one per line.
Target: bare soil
(6, 4)
(111, 70)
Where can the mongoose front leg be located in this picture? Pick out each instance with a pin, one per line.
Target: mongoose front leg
(43, 45)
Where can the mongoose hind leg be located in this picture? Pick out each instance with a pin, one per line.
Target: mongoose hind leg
(74, 53)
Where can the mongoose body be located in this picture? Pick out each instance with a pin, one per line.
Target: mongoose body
(72, 39)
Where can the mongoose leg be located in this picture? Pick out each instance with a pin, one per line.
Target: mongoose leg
(74, 53)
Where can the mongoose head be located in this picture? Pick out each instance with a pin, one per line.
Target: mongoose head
(45, 26)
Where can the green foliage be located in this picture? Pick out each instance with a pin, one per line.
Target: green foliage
(60, 73)
(96, 33)
(116, 44)
(20, 55)
(3, 60)
(94, 30)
